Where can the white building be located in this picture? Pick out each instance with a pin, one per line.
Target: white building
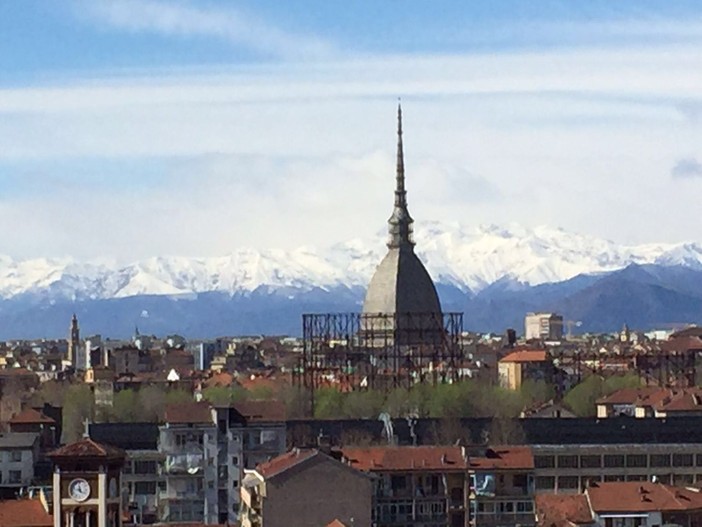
(543, 326)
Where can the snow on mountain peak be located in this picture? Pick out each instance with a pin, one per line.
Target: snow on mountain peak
(469, 258)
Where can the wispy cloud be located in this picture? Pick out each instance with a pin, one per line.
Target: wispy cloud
(187, 19)
(687, 168)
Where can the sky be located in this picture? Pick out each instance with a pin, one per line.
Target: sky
(137, 128)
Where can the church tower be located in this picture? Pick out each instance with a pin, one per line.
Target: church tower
(73, 340)
(87, 485)
(401, 285)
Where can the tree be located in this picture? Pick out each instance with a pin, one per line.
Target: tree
(78, 406)
(125, 408)
(329, 404)
(505, 431)
(363, 405)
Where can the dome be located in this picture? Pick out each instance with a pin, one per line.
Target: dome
(401, 285)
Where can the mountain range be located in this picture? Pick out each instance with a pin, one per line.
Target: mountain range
(494, 274)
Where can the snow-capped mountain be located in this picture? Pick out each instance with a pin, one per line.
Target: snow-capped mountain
(470, 259)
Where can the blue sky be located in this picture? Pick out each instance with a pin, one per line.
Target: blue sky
(148, 127)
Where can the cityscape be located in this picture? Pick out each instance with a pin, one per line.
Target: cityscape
(446, 376)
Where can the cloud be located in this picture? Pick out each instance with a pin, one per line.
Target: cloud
(686, 168)
(188, 19)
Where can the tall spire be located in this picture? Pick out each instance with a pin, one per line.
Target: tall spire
(400, 222)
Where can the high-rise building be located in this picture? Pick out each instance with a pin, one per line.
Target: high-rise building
(543, 326)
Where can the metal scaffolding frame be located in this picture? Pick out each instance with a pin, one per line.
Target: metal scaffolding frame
(380, 351)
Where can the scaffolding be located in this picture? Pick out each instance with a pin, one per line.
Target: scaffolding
(378, 351)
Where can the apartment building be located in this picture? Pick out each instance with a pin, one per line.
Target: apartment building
(543, 326)
(501, 486)
(206, 450)
(305, 488)
(623, 504)
(448, 486)
(188, 443)
(19, 453)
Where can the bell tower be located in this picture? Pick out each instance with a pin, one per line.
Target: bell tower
(87, 485)
(73, 340)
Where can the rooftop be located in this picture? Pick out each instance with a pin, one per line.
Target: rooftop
(31, 416)
(285, 461)
(503, 458)
(188, 413)
(525, 356)
(558, 510)
(443, 458)
(641, 496)
(24, 513)
(262, 411)
(89, 449)
(18, 440)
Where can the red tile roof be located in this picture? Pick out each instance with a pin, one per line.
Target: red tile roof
(189, 413)
(336, 523)
(639, 496)
(31, 416)
(87, 448)
(629, 395)
(381, 459)
(557, 510)
(526, 356)
(262, 411)
(24, 513)
(285, 461)
(504, 458)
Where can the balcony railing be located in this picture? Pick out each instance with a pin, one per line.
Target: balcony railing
(186, 464)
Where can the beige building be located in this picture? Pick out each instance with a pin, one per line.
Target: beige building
(305, 488)
(521, 365)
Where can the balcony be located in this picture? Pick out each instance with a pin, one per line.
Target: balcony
(185, 464)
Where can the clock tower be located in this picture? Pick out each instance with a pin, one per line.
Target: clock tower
(87, 485)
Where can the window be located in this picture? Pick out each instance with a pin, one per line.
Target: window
(145, 487)
(567, 461)
(699, 460)
(486, 507)
(144, 467)
(613, 460)
(660, 460)
(544, 461)
(591, 461)
(398, 482)
(636, 460)
(15, 456)
(505, 507)
(15, 476)
(681, 480)
(545, 482)
(525, 506)
(235, 483)
(235, 461)
(682, 460)
(617, 477)
(568, 482)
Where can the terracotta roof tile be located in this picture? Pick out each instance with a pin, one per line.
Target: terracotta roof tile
(24, 513)
(87, 448)
(443, 458)
(336, 523)
(31, 416)
(262, 411)
(526, 356)
(559, 510)
(188, 413)
(285, 461)
(505, 458)
(638, 496)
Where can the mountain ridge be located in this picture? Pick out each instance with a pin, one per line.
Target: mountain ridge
(471, 260)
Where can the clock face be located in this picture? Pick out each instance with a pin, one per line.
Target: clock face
(79, 489)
